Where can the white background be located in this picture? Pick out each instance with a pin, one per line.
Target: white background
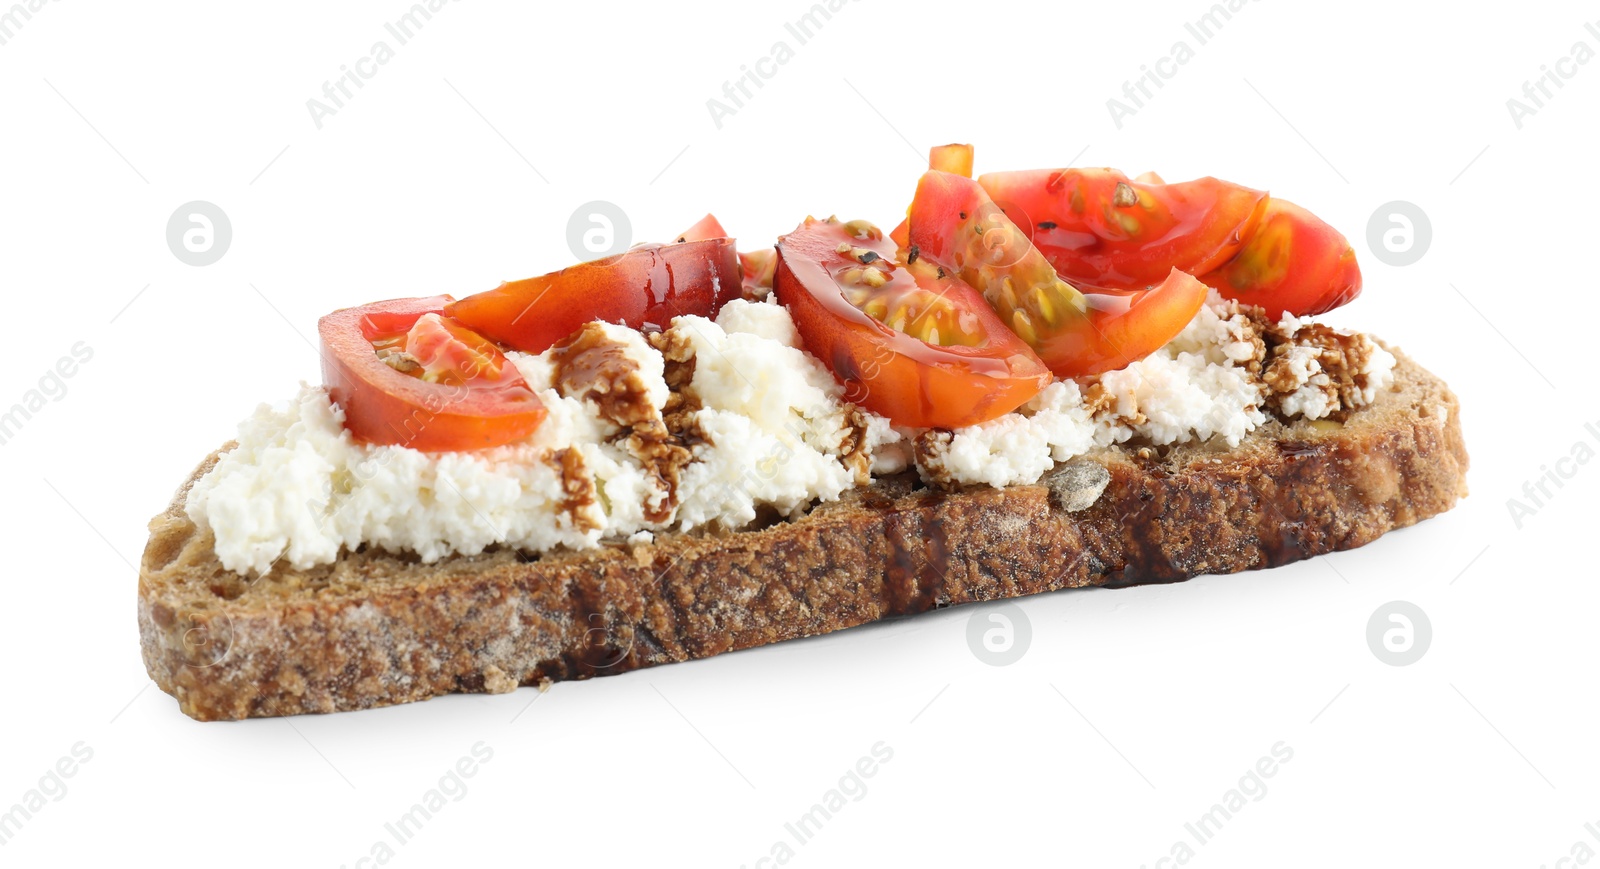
(459, 164)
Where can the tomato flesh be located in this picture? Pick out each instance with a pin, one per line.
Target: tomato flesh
(1294, 263)
(707, 227)
(1122, 326)
(901, 234)
(456, 391)
(955, 159)
(755, 267)
(758, 268)
(1098, 227)
(449, 352)
(918, 347)
(644, 288)
(955, 223)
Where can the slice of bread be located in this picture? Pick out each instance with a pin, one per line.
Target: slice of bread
(376, 628)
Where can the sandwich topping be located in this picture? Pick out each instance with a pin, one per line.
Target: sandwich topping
(684, 386)
(713, 421)
(1229, 372)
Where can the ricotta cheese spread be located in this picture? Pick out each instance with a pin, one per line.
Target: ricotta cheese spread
(714, 421)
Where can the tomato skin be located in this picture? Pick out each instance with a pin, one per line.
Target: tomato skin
(451, 353)
(1294, 263)
(890, 372)
(1122, 326)
(705, 228)
(1075, 333)
(644, 288)
(955, 159)
(755, 267)
(955, 223)
(758, 268)
(383, 406)
(1098, 227)
(901, 234)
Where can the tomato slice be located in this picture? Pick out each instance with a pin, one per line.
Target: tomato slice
(706, 228)
(901, 234)
(447, 352)
(755, 268)
(909, 342)
(955, 223)
(758, 268)
(1098, 227)
(1122, 326)
(643, 288)
(955, 159)
(1294, 263)
(443, 387)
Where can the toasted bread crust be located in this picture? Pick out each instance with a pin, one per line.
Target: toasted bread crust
(376, 629)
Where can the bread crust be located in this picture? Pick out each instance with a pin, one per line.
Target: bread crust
(375, 629)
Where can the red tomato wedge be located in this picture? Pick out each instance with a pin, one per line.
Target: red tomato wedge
(643, 288)
(707, 227)
(445, 388)
(955, 159)
(918, 347)
(1122, 326)
(1098, 227)
(1294, 263)
(755, 268)
(901, 234)
(958, 226)
(450, 353)
(758, 267)
(954, 223)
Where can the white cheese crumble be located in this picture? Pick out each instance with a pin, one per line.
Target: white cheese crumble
(774, 432)
(1195, 388)
(1018, 447)
(767, 319)
(774, 415)
(1191, 389)
(1316, 396)
(1379, 372)
(298, 488)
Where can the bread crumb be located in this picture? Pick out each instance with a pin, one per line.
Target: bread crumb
(495, 681)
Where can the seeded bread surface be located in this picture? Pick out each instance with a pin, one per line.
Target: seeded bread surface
(377, 628)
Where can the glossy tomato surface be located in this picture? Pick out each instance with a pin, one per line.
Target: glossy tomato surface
(1098, 227)
(1122, 326)
(644, 288)
(446, 388)
(758, 268)
(705, 228)
(755, 267)
(955, 159)
(918, 347)
(954, 223)
(1295, 263)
